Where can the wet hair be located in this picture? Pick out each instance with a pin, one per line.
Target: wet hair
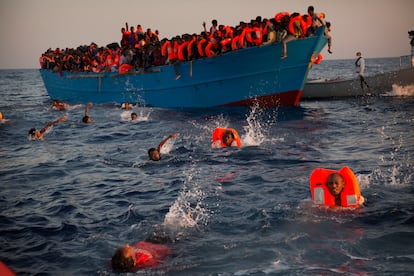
(228, 132)
(120, 263)
(85, 119)
(150, 151)
(32, 131)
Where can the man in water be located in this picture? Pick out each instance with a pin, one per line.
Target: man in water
(154, 153)
(86, 119)
(360, 68)
(38, 134)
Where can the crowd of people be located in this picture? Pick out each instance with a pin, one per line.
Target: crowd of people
(138, 49)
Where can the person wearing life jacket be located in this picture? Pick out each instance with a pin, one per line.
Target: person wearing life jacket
(297, 30)
(335, 188)
(201, 45)
(225, 137)
(280, 15)
(182, 53)
(138, 256)
(192, 48)
(257, 35)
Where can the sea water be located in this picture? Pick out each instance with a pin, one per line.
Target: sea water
(67, 202)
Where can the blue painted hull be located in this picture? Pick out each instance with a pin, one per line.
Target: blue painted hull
(243, 77)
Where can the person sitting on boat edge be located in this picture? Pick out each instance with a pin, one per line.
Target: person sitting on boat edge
(154, 154)
(86, 119)
(225, 137)
(335, 188)
(140, 255)
(36, 134)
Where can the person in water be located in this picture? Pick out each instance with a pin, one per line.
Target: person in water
(86, 119)
(140, 255)
(58, 105)
(225, 137)
(335, 188)
(134, 116)
(38, 134)
(154, 153)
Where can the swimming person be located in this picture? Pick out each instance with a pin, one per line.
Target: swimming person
(58, 105)
(134, 116)
(225, 137)
(86, 119)
(140, 255)
(38, 134)
(154, 153)
(335, 188)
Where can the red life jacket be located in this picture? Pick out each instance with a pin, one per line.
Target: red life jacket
(350, 195)
(201, 46)
(217, 136)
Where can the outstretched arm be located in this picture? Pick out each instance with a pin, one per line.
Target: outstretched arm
(174, 135)
(86, 108)
(61, 119)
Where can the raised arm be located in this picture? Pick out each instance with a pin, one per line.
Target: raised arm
(174, 135)
(86, 109)
(61, 119)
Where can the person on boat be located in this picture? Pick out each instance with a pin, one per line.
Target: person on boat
(297, 30)
(154, 154)
(58, 105)
(36, 134)
(335, 188)
(360, 68)
(86, 119)
(225, 137)
(140, 255)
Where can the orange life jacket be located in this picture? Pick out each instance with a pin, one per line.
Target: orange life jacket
(350, 195)
(225, 44)
(125, 68)
(258, 36)
(190, 47)
(218, 136)
(181, 50)
(200, 47)
(318, 59)
(280, 15)
(209, 52)
(291, 27)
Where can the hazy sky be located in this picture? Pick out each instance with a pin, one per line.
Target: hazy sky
(377, 28)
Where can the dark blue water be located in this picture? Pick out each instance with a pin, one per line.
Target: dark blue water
(67, 202)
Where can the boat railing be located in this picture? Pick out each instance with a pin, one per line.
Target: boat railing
(406, 61)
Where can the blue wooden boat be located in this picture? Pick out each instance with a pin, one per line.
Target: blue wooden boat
(255, 75)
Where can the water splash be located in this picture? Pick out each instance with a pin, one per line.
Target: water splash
(400, 91)
(142, 115)
(256, 129)
(189, 210)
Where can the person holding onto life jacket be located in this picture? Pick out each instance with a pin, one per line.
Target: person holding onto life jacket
(140, 255)
(297, 30)
(225, 137)
(36, 134)
(154, 154)
(335, 188)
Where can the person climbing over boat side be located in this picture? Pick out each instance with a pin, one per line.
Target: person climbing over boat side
(154, 154)
(86, 119)
(36, 134)
(360, 68)
(297, 30)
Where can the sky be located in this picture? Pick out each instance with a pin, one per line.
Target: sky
(377, 28)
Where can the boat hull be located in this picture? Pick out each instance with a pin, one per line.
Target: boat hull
(248, 76)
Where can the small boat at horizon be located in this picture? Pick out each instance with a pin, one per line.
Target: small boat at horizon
(248, 76)
(318, 89)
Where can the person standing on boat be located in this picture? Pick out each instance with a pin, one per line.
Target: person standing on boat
(360, 68)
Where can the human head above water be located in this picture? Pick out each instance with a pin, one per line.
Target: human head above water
(335, 183)
(228, 137)
(154, 154)
(86, 119)
(123, 259)
(358, 54)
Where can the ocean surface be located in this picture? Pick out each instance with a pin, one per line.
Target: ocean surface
(69, 201)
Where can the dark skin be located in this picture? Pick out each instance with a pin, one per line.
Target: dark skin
(154, 153)
(38, 134)
(335, 185)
